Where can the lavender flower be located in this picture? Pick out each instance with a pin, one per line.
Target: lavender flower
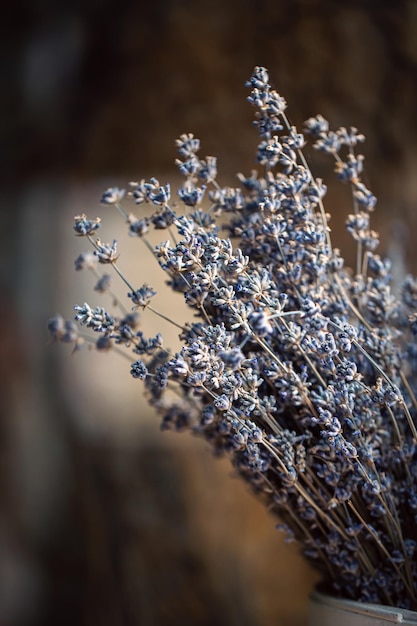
(112, 195)
(84, 226)
(106, 252)
(302, 371)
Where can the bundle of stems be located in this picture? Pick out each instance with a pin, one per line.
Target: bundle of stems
(300, 369)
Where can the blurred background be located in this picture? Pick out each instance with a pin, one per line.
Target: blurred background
(103, 518)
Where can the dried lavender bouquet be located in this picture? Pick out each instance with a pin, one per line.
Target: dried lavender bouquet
(302, 370)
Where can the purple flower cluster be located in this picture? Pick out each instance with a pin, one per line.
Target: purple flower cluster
(301, 370)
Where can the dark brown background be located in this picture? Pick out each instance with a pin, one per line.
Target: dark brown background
(103, 519)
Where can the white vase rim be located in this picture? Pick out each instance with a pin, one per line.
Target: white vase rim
(388, 613)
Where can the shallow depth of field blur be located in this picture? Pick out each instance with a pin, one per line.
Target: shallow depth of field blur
(104, 519)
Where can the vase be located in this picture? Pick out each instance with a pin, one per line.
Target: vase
(325, 610)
